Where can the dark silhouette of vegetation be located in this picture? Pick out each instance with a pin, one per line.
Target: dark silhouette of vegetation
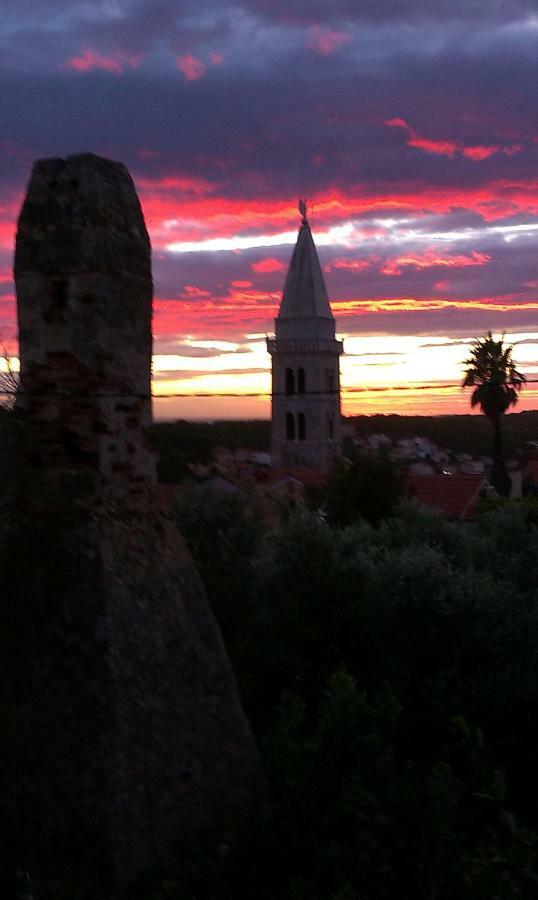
(9, 377)
(361, 486)
(496, 383)
(390, 676)
(179, 443)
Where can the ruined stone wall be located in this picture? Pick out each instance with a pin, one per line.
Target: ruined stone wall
(84, 288)
(127, 744)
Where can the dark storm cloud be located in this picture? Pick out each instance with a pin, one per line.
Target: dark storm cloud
(401, 11)
(279, 99)
(254, 126)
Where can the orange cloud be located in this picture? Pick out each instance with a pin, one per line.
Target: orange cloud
(90, 59)
(325, 40)
(431, 259)
(192, 68)
(410, 304)
(268, 265)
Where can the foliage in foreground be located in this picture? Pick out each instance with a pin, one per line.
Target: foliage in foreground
(390, 675)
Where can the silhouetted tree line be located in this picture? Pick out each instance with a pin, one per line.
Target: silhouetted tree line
(389, 671)
(179, 443)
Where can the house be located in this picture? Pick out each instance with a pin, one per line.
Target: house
(456, 496)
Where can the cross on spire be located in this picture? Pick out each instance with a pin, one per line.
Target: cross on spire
(302, 210)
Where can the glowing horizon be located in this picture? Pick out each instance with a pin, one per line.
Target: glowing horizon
(401, 127)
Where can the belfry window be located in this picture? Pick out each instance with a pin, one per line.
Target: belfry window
(301, 426)
(301, 381)
(290, 426)
(330, 380)
(290, 381)
(330, 426)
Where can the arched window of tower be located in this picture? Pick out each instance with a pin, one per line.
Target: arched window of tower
(301, 422)
(330, 426)
(290, 381)
(290, 426)
(330, 380)
(301, 381)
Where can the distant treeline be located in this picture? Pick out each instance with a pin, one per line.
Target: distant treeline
(179, 443)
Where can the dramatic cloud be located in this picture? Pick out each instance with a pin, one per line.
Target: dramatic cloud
(410, 127)
(431, 258)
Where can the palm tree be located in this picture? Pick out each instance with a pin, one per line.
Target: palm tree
(492, 373)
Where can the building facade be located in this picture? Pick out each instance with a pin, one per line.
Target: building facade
(306, 428)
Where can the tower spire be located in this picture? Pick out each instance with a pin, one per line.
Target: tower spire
(306, 424)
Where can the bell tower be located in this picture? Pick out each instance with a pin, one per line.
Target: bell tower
(306, 425)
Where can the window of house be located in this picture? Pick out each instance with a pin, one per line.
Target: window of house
(290, 381)
(290, 426)
(301, 423)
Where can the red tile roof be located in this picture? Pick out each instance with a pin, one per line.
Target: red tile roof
(454, 495)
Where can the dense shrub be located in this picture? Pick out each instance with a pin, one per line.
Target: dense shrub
(391, 678)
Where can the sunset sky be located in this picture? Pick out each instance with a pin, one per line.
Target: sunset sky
(409, 125)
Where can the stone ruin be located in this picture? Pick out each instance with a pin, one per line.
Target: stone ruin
(128, 746)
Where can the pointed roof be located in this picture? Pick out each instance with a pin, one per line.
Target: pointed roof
(305, 294)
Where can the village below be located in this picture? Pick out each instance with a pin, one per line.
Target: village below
(439, 473)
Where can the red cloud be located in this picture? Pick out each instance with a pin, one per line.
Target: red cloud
(443, 148)
(450, 148)
(355, 265)
(241, 284)
(191, 291)
(204, 216)
(90, 59)
(325, 40)
(268, 265)
(216, 59)
(479, 153)
(430, 259)
(192, 68)
(182, 183)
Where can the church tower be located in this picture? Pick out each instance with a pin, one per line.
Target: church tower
(306, 427)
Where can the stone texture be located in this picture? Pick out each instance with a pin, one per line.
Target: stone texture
(127, 745)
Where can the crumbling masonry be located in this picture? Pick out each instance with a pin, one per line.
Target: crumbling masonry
(127, 745)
